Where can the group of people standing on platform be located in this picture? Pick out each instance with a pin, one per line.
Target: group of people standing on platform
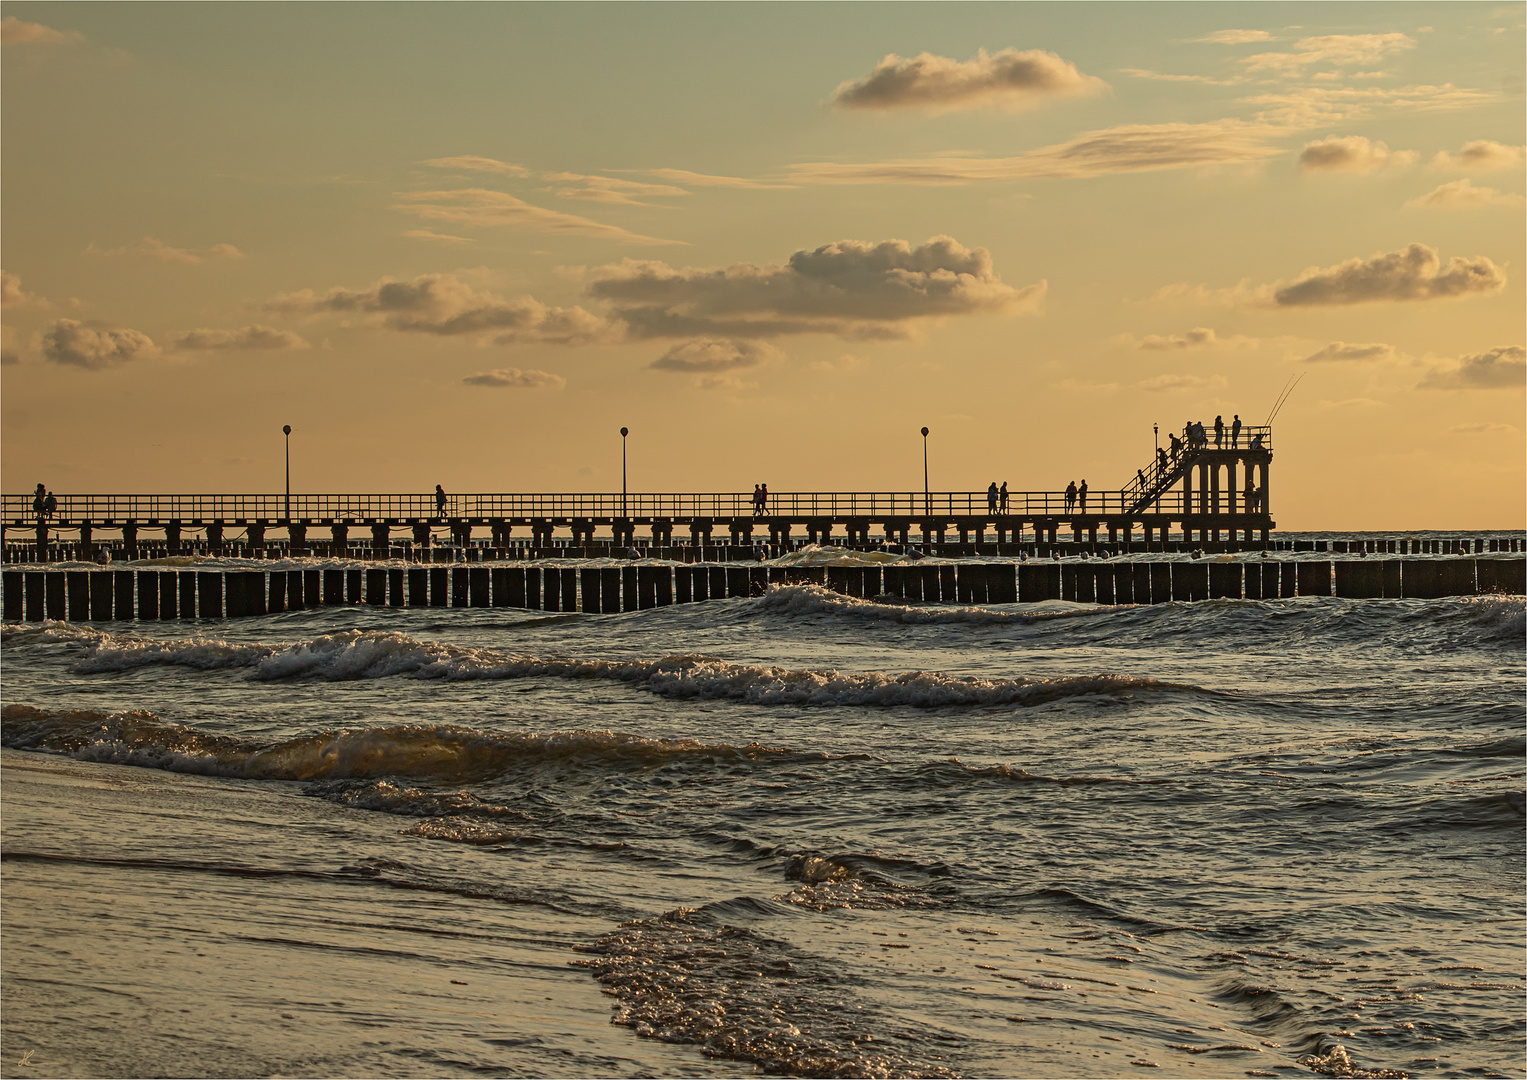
(44, 505)
(996, 498)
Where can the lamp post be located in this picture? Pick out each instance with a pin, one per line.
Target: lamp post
(623, 433)
(927, 501)
(286, 429)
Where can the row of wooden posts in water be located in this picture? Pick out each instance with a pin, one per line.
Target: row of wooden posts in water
(25, 554)
(102, 595)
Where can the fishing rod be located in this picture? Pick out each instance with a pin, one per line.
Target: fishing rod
(1288, 388)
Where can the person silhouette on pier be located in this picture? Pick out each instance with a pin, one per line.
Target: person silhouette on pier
(1251, 496)
(991, 498)
(1176, 447)
(1071, 496)
(1081, 496)
(37, 498)
(1235, 431)
(1219, 432)
(439, 501)
(1161, 465)
(1002, 496)
(49, 505)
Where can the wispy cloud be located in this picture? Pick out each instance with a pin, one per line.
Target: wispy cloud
(474, 163)
(1200, 337)
(444, 305)
(15, 32)
(95, 346)
(151, 247)
(1482, 155)
(247, 337)
(850, 288)
(1316, 105)
(1234, 37)
(1171, 383)
(437, 238)
(608, 189)
(1158, 76)
(512, 377)
(1463, 195)
(1128, 149)
(711, 354)
(1339, 49)
(694, 179)
(496, 209)
(1341, 350)
(1502, 368)
(1413, 273)
(1351, 153)
(1009, 79)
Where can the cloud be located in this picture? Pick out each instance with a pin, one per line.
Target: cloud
(15, 32)
(1128, 149)
(1482, 155)
(1323, 105)
(1165, 384)
(434, 237)
(1234, 37)
(514, 377)
(9, 357)
(723, 382)
(473, 163)
(1196, 338)
(1414, 273)
(849, 288)
(711, 354)
(12, 295)
(444, 305)
(1008, 78)
(248, 337)
(694, 179)
(608, 188)
(490, 209)
(1341, 350)
(1146, 73)
(1463, 195)
(151, 247)
(1337, 49)
(1481, 428)
(1350, 153)
(94, 346)
(1502, 368)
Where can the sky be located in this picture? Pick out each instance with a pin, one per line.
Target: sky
(466, 243)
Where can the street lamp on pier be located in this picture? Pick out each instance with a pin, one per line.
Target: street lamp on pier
(286, 429)
(623, 433)
(927, 501)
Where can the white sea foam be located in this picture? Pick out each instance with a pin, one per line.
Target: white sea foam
(371, 654)
(811, 599)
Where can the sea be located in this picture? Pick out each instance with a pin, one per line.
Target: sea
(795, 834)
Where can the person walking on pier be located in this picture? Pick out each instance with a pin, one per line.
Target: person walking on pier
(1002, 495)
(1161, 465)
(1235, 431)
(1176, 447)
(1081, 496)
(1219, 432)
(1071, 496)
(991, 499)
(439, 501)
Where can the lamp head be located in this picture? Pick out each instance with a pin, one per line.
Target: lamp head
(624, 432)
(925, 433)
(286, 429)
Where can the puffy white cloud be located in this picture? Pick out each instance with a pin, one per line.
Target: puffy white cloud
(1414, 273)
(15, 32)
(1482, 155)
(91, 345)
(1338, 49)
(849, 288)
(711, 354)
(474, 163)
(12, 295)
(1009, 78)
(445, 305)
(1196, 338)
(530, 379)
(1234, 37)
(152, 247)
(1351, 153)
(247, 337)
(1341, 350)
(1127, 149)
(491, 209)
(1502, 368)
(1463, 195)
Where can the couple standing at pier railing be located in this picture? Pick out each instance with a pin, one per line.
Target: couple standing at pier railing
(760, 499)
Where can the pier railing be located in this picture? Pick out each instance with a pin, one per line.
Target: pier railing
(189, 509)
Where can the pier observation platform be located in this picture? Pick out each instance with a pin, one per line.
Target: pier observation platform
(1210, 488)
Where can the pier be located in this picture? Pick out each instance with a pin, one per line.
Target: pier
(1194, 492)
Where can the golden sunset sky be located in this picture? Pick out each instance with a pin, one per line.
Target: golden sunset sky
(465, 243)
